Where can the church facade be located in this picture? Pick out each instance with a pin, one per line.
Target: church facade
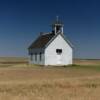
(51, 48)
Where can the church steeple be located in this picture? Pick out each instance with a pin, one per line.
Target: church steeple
(57, 26)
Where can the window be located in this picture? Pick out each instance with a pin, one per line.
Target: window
(40, 56)
(31, 56)
(35, 56)
(58, 51)
(58, 28)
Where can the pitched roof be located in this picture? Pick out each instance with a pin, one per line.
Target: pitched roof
(41, 41)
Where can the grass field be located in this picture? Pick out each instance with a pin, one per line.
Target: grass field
(20, 81)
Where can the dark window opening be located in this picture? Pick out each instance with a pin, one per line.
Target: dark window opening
(58, 28)
(58, 51)
(40, 56)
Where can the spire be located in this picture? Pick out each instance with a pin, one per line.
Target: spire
(57, 26)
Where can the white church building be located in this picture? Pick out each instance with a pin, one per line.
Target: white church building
(51, 48)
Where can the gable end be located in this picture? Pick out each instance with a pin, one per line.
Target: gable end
(67, 41)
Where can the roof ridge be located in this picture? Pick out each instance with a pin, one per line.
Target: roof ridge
(47, 33)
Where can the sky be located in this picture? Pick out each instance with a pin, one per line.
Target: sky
(21, 21)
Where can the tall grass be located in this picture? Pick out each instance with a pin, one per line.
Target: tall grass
(62, 89)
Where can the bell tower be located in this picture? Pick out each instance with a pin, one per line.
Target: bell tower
(57, 26)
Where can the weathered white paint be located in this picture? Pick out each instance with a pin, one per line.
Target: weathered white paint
(59, 61)
(51, 55)
(38, 61)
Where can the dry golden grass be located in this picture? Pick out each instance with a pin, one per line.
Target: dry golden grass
(48, 84)
(28, 82)
(87, 61)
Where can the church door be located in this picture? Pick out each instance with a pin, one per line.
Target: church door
(58, 59)
(59, 53)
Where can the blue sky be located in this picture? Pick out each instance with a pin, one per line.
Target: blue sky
(22, 20)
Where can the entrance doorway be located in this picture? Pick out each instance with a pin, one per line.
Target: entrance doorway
(59, 52)
(58, 59)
